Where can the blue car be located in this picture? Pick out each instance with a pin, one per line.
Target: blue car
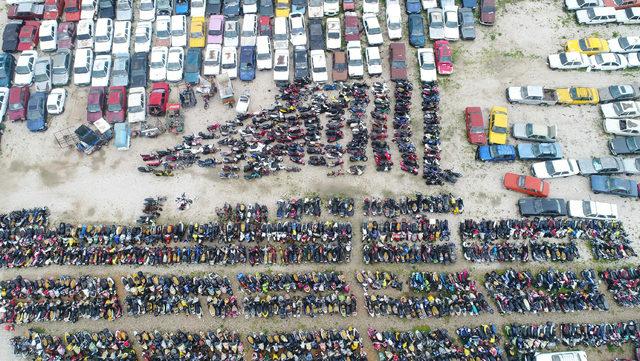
(414, 7)
(615, 186)
(181, 7)
(247, 63)
(496, 153)
(192, 66)
(7, 63)
(231, 9)
(539, 151)
(416, 31)
(37, 112)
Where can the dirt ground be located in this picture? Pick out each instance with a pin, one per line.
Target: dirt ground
(105, 187)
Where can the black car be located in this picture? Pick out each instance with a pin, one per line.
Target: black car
(530, 207)
(106, 9)
(214, 7)
(10, 36)
(231, 9)
(301, 62)
(625, 145)
(139, 66)
(266, 8)
(316, 35)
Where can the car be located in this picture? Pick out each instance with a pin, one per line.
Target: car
(42, 74)
(84, 37)
(28, 37)
(175, 64)
(498, 125)
(178, 30)
(298, 7)
(487, 12)
(283, 8)
(351, 27)
(55, 101)
(397, 61)
(600, 165)
(525, 184)
(196, 34)
(158, 99)
(599, 15)
(72, 10)
(264, 26)
(496, 153)
(339, 71)
(624, 127)
(633, 59)
(348, 5)
(106, 9)
(124, 10)
(568, 61)
(162, 35)
(82, 66)
(10, 36)
(590, 46)
(231, 35)
(96, 104)
(7, 65)
(608, 61)
(540, 207)
(48, 35)
(136, 105)
(316, 35)
(116, 104)
(621, 92)
(625, 145)
(582, 4)
(213, 7)
(247, 63)
(142, 39)
(370, 7)
(631, 166)
(474, 122)
(435, 17)
(558, 168)
(394, 22)
(443, 54)
(192, 66)
(181, 7)
(266, 8)
(532, 94)
(4, 101)
(624, 44)
(623, 109)
(614, 186)
(61, 67)
(103, 36)
(300, 62)
(539, 151)
(281, 66)
(66, 35)
(121, 37)
(211, 63)
(164, 8)
(101, 71)
(415, 24)
(249, 31)
(621, 4)
(413, 6)
(264, 55)
(229, 62)
(297, 30)
(52, 9)
(355, 64)
(120, 72)
(250, 6)
(319, 72)
(37, 112)
(147, 10)
(215, 30)
(334, 34)
(467, 22)
(577, 95)
(330, 7)
(373, 60)
(316, 9)
(138, 70)
(158, 63)
(25, 11)
(629, 16)
(18, 100)
(451, 26)
(427, 65)
(591, 210)
(23, 73)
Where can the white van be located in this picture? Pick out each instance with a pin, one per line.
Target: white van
(280, 33)
(264, 58)
(249, 30)
(82, 66)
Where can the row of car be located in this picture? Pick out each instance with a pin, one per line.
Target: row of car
(608, 15)
(538, 95)
(557, 207)
(19, 104)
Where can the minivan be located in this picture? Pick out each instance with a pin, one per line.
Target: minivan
(249, 30)
(82, 66)
(263, 53)
(280, 33)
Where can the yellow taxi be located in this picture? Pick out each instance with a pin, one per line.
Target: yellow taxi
(283, 7)
(589, 46)
(197, 37)
(498, 125)
(578, 95)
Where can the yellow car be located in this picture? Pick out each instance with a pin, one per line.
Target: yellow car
(196, 35)
(589, 46)
(283, 7)
(498, 125)
(578, 96)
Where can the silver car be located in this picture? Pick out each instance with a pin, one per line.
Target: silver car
(62, 64)
(534, 132)
(124, 10)
(120, 71)
(601, 165)
(42, 74)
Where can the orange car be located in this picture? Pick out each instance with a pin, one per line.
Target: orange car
(526, 184)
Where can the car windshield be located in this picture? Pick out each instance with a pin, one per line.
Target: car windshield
(157, 64)
(102, 38)
(445, 59)
(87, 7)
(633, 144)
(624, 42)
(215, 32)
(398, 64)
(85, 36)
(196, 34)
(100, 73)
(120, 40)
(135, 109)
(23, 69)
(229, 65)
(375, 61)
(16, 106)
(50, 7)
(489, 9)
(174, 66)
(373, 30)
(339, 66)
(499, 129)
(60, 70)
(320, 69)
(26, 39)
(47, 37)
(115, 107)
(42, 76)
(427, 64)
(81, 70)
(451, 23)
(334, 35)
(177, 32)
(141, 39)
(93, 108)
(146, 6)
(264, 56)
(392, 25)
(620, 91)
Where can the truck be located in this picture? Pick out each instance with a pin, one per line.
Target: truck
(532, 94)
(225, 89)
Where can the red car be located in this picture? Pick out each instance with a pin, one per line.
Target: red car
(53, 9)
(398, 61)
(444, 61)
(26, 11)
(487, 12)
(526, 184)
(474, 121)
(348, 5)
(351, 27)
(28, 37)
(116, 104)
(264, 26)
(622, 4)
(18, 100)
(158, 99)
(96, 103)
(66, 35)
(72, 10)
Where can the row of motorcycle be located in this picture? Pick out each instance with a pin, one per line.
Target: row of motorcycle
(402, 133)
(379, 127)
(415, 204)
(502, 251)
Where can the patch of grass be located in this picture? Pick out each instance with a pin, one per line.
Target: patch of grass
(425, 328)
(39, 330)
(567, 19)
(616, 34)
(515, 54)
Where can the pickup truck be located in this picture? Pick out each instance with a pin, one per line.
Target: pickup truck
(532, 94)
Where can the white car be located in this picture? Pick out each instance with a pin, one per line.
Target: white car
(178, 30)
(298, 31)
(55, 101)
(142, 40)
(372, 29)
(147, 10)
(582, 4)
(370, 6)
(631, 165)
(198, 8)
(599, 15)
(231, 36)
(435, 18)
(249, 30)
(243, 103)
(570, 60)
(249, 6)
(229, 63)
(124, 10)
(48, 35)
(394, 22)
(624, 126)
(555, 168)
(451, 30)
(624, 44)
(623, 109)
(592, 210)
(4, 101)
(280, 33)
(121, 37)
(211, 63)
(281, 65)
(331, 7)
(23, 73)
(175, 64)
(315, 9)
(334, 34)
(427, 65)
(608, 61)
(82, 66)
(373, 60)
(319, 72)
(355, 65)
(136, 105)
(84, 34)
(158, 63)
(101, 71)
(633, 60)
(428, 4)
(564, 356)
(264, 56)
(88, 9)
(163, 30)
(104, 36)
(628, 16)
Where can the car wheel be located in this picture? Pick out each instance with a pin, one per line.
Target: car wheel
(594, 192)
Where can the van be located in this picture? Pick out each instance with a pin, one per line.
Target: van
(280, 33)
(249, 30)
(263, 53)
(82, 66)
